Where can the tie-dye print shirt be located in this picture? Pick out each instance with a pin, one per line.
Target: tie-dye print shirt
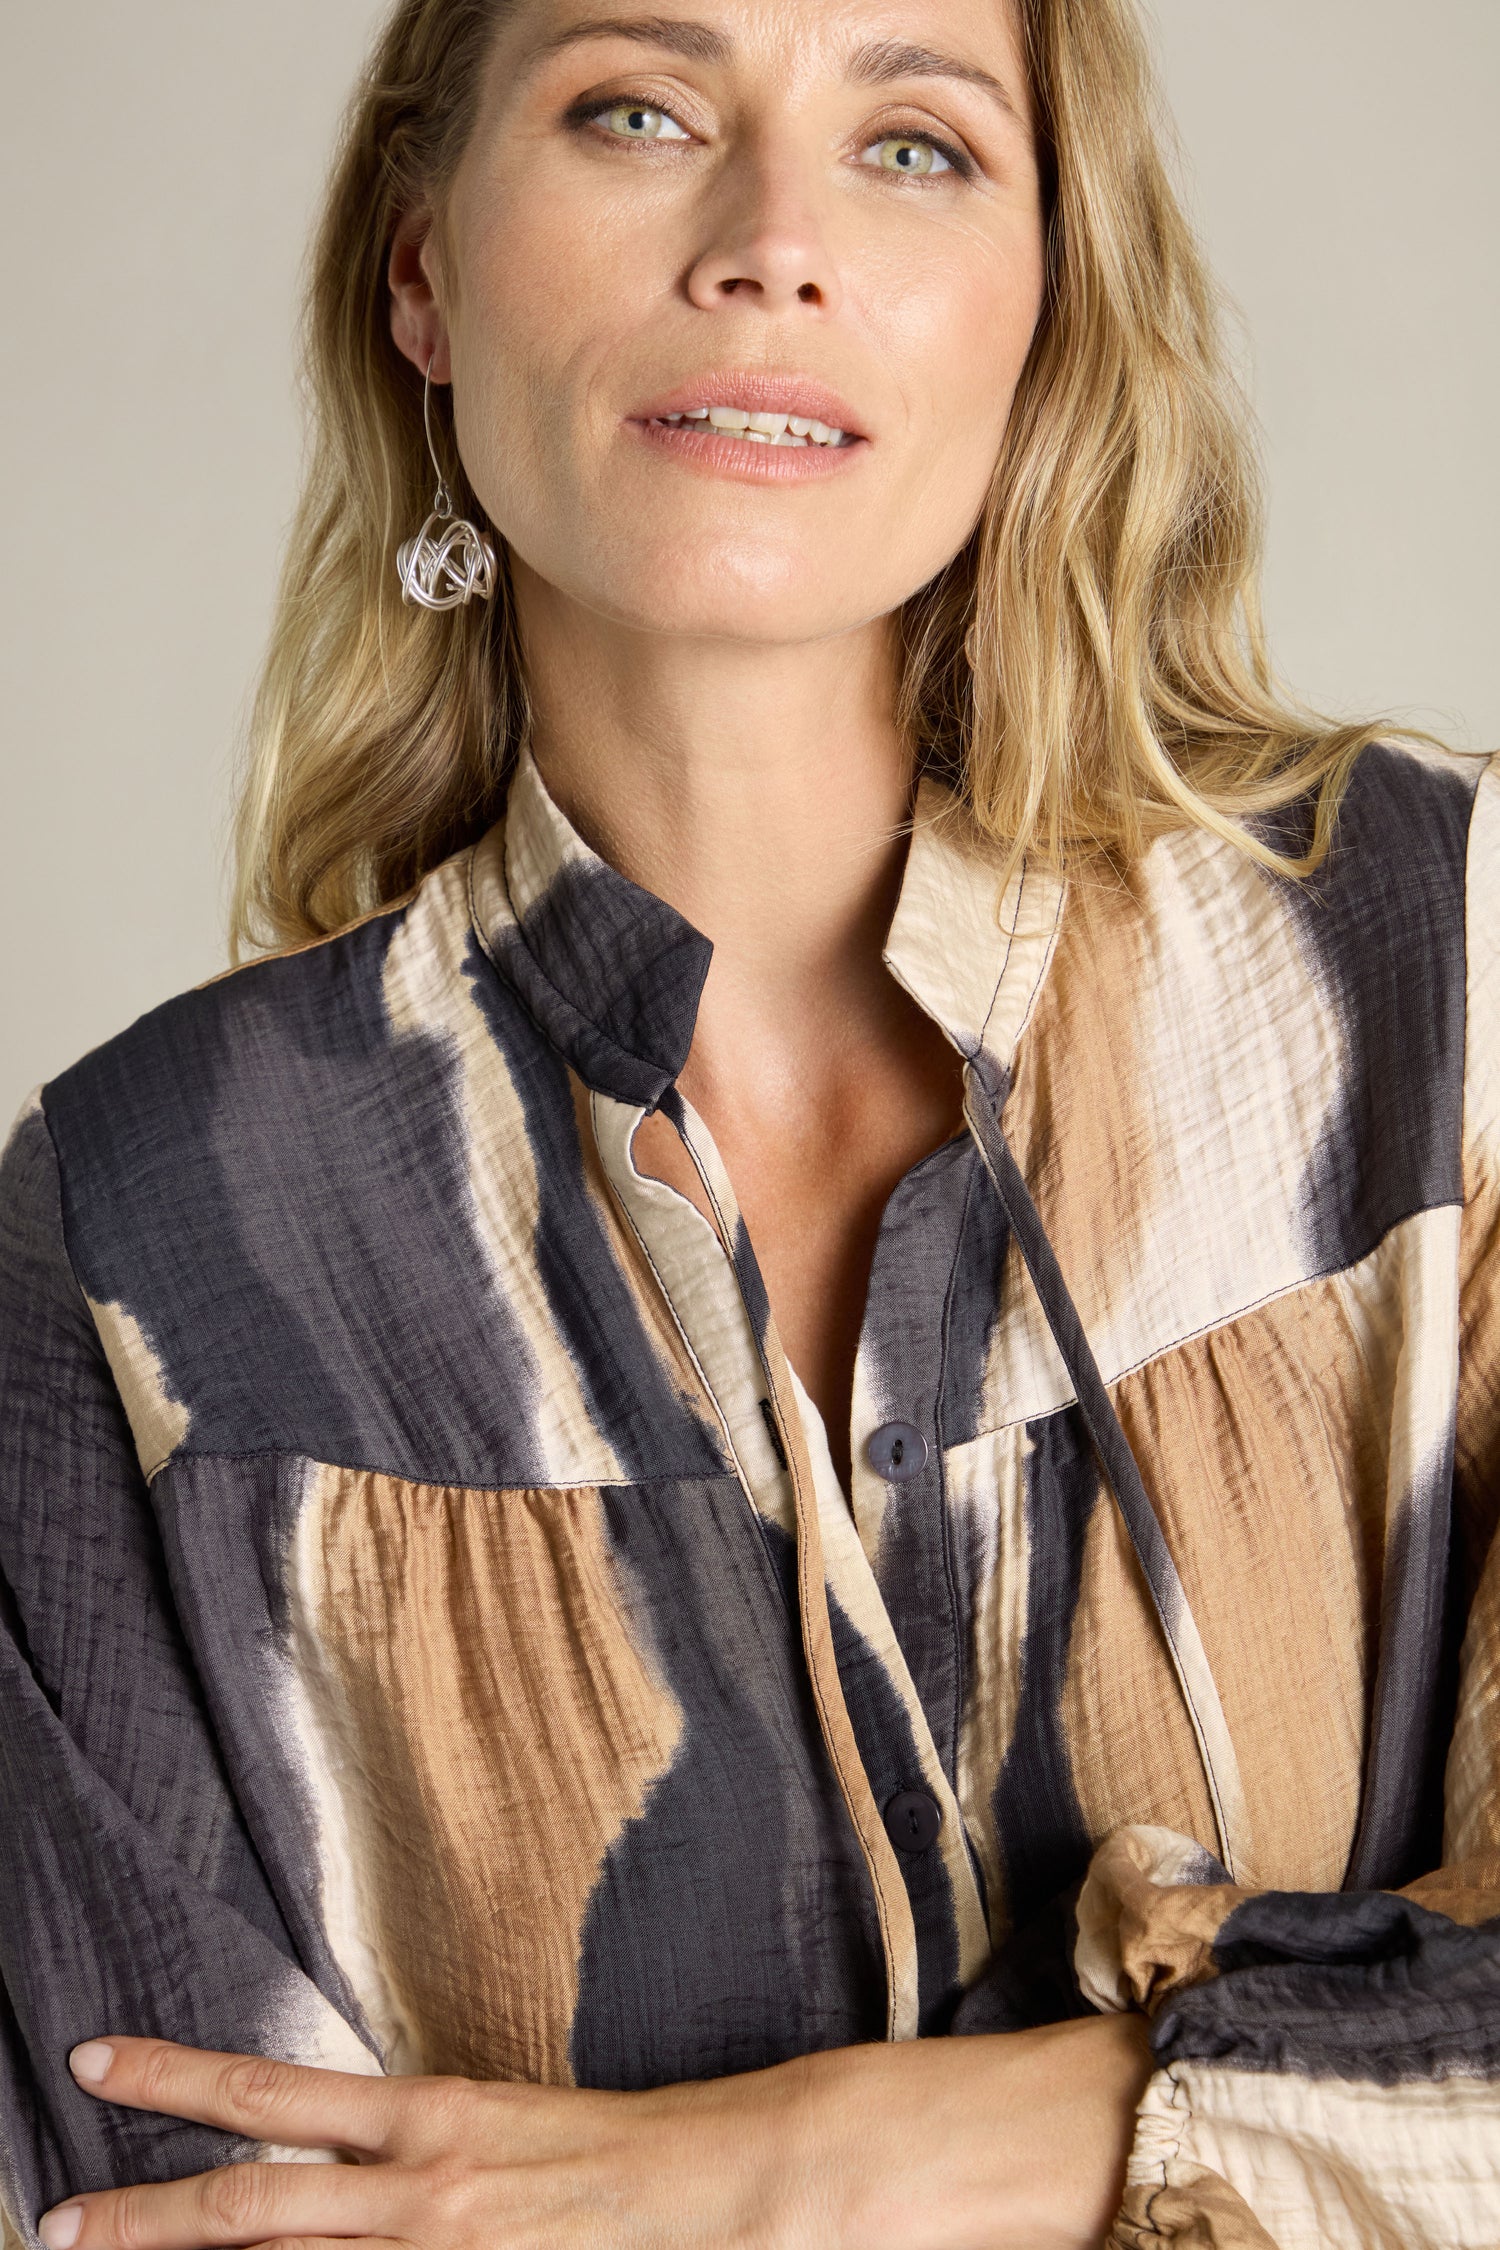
(434, 1636)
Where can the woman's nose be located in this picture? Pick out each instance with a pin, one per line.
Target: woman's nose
(767, 244)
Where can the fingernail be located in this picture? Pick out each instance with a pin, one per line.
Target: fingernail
(59, 2229)
(90, 2062)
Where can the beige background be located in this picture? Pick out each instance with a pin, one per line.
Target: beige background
(160, 165)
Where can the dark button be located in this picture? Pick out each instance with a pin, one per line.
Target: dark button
(912, 1821)
(897, 1452)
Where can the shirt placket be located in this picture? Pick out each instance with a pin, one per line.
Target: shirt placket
(875, 1727)
(900, 1377)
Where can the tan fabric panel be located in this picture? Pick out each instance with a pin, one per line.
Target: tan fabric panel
(1471, 1826)
(497, 1726)
(1468, 1892)
(1131, 1743)
(1477, 1457)
(1197, 2211)
(970, 957)
(1147, 1921)
(1268, 1467)
(1087, 1140)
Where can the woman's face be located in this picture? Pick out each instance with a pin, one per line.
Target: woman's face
(812, 212)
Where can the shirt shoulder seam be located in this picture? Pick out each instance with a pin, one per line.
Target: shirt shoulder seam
(309, 945)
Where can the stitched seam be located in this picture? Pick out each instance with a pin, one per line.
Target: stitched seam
(942, 1465)
(1042, 968)
(1010, 944)
(996, 1429)
(1224, 1320)
(474, 922)
(521, 999)
(62, 1219)
(188, 1454)
(311, 945)
(657, 1275)
(1176, 2151)
(84, 1299)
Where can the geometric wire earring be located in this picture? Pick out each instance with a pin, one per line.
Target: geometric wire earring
(448, 563)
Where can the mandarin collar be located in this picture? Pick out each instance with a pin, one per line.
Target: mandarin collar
(972, 959)
(613, 975)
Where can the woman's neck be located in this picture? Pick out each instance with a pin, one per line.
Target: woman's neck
(765, 794)
(762, 791)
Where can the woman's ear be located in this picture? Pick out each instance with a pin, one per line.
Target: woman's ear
(417, 322)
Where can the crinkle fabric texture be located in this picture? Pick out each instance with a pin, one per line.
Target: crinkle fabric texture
(433, 1636)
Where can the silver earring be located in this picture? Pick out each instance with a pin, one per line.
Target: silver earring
(449, 563)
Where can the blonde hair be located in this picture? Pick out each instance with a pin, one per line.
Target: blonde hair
(1088, 672)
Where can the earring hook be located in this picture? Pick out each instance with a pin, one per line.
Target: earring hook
(443, 504)
(448, 563)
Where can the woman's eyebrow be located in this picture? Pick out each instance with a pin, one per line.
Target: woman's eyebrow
(878, 64)
(699, 41)
(888, 59)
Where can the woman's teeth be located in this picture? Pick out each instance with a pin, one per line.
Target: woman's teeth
(761, 429)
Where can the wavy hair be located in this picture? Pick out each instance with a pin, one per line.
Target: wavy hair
(1088, 672)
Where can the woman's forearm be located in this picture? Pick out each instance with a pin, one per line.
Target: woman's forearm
(1014, 2142)
(970, 2144)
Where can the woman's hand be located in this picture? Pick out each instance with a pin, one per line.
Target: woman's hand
(951, 2144)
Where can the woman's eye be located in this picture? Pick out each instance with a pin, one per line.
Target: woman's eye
(638, 121)
(900, 153)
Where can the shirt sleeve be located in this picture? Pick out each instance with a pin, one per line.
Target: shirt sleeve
(131, 1895)
(1329, 2064)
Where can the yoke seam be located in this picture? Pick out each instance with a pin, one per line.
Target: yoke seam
(1227, 1320)
(190, 1454)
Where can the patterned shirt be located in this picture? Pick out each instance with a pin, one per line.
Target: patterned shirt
(434, 1637)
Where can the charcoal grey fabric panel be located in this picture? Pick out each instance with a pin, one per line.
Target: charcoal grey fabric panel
(1354, 1985)
(227, 1528)
(733, 1925)
(920, 1253)
(1038, 1818)
(1389, 954)
(131, 1896)
(278, 1191)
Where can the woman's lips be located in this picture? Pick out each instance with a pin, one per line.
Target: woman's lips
(760, 429)
(760, 458)
(742, 395)
(739, 422)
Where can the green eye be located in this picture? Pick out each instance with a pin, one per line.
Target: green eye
(638, 121)
(918, 159)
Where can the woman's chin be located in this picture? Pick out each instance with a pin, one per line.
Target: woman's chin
(665, 601)
(754, 625)
(770, 595)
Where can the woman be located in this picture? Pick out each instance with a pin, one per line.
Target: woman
(574, 1697)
